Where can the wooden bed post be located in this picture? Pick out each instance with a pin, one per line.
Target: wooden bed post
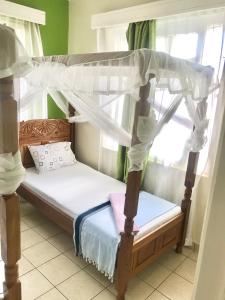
(186, 202)
(131, 204)
(10, 211)
(190, 180)
(72, 128)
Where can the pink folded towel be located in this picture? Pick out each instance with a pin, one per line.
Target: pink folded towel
(117, 202)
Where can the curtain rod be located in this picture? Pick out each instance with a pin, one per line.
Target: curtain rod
(14, 10)
(152, 10)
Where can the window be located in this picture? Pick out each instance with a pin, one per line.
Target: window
(29, 35)
(112, 39)
(197, 37)
(201, 44)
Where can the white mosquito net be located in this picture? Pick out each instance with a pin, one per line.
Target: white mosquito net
(91, 83)
(14, 61)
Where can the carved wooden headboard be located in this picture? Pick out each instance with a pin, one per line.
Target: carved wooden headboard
(40, 132)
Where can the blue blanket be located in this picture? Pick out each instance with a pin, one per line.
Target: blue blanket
(95, 234)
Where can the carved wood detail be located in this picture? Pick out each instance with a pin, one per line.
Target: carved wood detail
(40, 132)
(37, 131)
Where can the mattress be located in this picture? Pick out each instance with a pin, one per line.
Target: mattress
(75, 189)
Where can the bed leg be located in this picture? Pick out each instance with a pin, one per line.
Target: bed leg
(121, 294)
(121, 297)
(186, 206)
(179, 248)
(186, 202)
(10, 244)
(123, 264)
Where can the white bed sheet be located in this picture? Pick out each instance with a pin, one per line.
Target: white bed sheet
(75, 189)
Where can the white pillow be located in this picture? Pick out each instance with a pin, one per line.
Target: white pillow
(52, 156)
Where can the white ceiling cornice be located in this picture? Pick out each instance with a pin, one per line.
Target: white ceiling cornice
(14, 10)
(152, 10)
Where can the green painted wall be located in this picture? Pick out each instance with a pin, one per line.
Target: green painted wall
(54, 34)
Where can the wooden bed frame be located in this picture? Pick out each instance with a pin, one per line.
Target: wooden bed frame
(142, 252)
(132, 256)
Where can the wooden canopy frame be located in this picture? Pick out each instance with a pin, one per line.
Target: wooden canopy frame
(132, 256)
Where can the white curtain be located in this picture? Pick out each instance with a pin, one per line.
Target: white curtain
(197, 37)
(111, 39)
(29, 35)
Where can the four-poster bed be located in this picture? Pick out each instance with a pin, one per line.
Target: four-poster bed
(96, 73)
(164, 237)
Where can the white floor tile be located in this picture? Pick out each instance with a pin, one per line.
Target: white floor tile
(34, 284)
(26, 208)
(105, 295)
(187, 269)
(155, 274)
(191, 253)
(58, 269)
(91, 270)
(23, 226)
(157, 296)
(62, 242)
(137, 289)
(171, 260)
(176, 288)
(80, 286)
(30, 238)
(40, 253)
(33, 220)
(47, 229)
(25, 266)
(76, 259)
(53, 294)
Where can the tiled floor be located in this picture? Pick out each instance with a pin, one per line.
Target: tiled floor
(49, 270)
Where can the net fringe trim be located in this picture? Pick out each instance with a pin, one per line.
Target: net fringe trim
(106, 274)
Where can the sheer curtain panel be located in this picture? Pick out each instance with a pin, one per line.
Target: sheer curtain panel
(111, 39)
(198, 37)
(29, 35)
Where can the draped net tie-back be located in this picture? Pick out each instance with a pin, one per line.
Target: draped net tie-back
(11, 173)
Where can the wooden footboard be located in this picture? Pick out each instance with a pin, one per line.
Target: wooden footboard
(151, 246)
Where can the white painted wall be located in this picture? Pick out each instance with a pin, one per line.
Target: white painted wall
(210, 274)
(82, 39)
